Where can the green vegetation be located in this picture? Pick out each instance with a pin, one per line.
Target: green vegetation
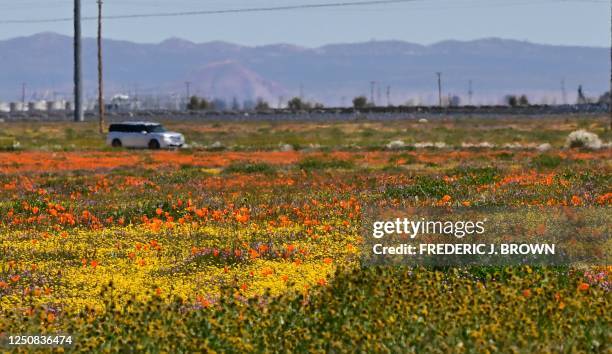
(367, 135)
(249, 167)
(313, 163)
(545, 161)
(263, 251)
(424, 186)
(366, 310)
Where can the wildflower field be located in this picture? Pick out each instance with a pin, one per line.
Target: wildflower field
(250, 247)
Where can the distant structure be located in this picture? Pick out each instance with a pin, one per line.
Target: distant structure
(123, 103)
(439, 74)
(23, 93)
(37, 106)
(40, 106)
(470, 92)
(187, 90)
(563, 92)
(388, 96)
(581, 98)
(16, 107)
(372, 87)
(56, 105)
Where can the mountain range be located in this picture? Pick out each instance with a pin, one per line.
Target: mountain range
(331, 74)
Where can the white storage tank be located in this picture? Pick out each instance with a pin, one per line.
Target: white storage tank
(56, 105)
(5, 107)
(38, 106)
(18, 107)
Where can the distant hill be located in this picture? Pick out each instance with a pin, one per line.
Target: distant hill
(233, 79)
(331, 74)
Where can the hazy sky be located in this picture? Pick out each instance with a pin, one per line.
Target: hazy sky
(577, 22)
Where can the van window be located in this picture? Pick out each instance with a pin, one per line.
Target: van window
(116, 128)
(136, 128)
(155, 129)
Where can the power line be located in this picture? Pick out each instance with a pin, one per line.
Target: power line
(238, 10)
(219, 12)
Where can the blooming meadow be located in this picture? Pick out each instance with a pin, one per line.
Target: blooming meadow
(237, 251)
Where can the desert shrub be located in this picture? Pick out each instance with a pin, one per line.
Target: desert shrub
(396, 145)
(215, 147)
(583, 139)
(9, 144)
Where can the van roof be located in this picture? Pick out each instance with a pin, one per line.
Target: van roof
(138, 123)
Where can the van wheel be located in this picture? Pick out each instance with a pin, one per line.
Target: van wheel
(116, 143)
(153, 144)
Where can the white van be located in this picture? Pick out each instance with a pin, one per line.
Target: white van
(143, 135)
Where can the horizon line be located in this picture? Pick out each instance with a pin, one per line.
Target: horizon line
(372, 40)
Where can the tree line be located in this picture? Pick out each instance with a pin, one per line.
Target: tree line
(360, 102)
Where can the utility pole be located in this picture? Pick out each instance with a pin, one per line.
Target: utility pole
(470, 93)
(581, 97)
(372, 84)
(100, 72)
(23, 93)
(388, 96)
(439, 88)
(78, 70)
(188, 89)
(563, 92)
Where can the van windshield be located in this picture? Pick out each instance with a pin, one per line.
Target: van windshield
(155, 129)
